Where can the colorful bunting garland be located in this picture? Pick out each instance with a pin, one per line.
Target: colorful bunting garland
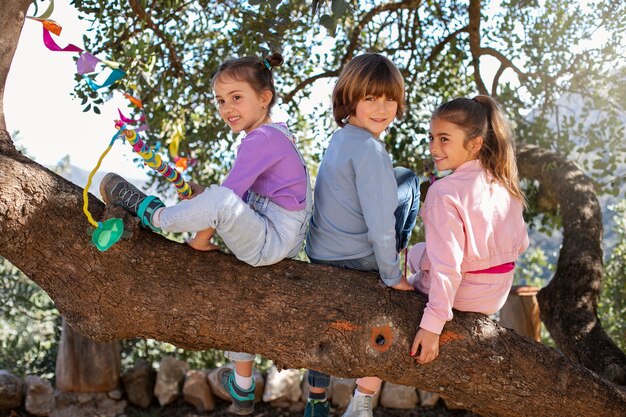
(107, 233)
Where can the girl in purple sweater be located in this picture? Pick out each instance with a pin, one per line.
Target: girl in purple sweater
(260, 211)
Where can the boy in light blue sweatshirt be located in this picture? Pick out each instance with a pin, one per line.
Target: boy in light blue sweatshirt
(364, 210)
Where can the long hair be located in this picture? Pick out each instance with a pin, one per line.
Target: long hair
(482, 116)
(367, 74)
(255, 71)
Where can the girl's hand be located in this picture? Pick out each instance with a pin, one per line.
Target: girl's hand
(429, 343)
(202, 241)
(196, 189)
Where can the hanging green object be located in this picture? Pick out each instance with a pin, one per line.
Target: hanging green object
(107, 233)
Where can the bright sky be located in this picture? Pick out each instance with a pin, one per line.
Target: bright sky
(37, 102)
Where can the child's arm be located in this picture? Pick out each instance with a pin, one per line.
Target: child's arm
(429, 344)
(377, 193)
(202, 240)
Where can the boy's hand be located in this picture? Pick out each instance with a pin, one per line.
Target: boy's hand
(403, 285)
(429, 343)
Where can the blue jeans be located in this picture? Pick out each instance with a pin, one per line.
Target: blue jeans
(405, 214)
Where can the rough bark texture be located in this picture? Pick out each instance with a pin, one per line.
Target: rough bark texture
(297, 314)
(338, 321)
(568, 304)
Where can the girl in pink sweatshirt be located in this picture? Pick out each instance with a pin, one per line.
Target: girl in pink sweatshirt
(472, 219)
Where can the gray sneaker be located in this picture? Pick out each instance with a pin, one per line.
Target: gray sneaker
(360, 406)
(116, 191)
(243, 400)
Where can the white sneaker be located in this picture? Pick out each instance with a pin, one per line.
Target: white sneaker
(360, 406)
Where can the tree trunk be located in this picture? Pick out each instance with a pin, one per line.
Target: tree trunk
(568, 304)
(84, 365)
(338, 321)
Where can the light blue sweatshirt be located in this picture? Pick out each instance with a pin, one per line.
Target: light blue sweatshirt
(354, 203)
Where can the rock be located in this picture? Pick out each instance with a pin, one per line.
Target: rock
(10, 391)
(258, 380)
(342, 389)
(428, 399)
(139, 384)
(283, 384)
(196, 391)
(115, 394)
(87, 405)
(398, 396)
(39, 396)
(169, 379)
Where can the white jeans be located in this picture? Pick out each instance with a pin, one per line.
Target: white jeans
(258, 233)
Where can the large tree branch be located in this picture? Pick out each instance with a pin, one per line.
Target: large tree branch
(145, 17)
(439, 47)
(300, 315)
(569, 302)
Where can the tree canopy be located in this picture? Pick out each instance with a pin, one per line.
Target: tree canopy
(530, 55)
(544, 53)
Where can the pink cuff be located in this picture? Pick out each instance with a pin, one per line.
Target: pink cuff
(431, 323)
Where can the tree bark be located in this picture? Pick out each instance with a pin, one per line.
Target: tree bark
(568, 304)
(337, 321)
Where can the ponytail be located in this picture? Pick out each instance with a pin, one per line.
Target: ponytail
(482, 116)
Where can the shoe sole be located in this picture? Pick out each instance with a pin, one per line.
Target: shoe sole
(103, 183)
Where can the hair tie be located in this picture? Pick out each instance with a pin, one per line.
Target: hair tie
(267, 64)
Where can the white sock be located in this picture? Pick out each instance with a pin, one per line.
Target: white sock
(358, 393)
(243, 382)
(156, 217)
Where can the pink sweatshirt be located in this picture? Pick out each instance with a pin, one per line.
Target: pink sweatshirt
(472, 223)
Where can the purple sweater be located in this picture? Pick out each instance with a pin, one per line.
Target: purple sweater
(268, 164)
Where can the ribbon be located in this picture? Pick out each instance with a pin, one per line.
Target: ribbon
(52, 45)
(114, 76)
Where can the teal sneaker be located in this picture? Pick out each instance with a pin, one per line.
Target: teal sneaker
(243, 400)
(317, 408)
(116, 191)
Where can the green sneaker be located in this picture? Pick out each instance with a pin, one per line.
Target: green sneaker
(317, 408)
(116, 191)
(243, 400)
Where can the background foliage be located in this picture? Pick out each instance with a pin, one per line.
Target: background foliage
(557, 67)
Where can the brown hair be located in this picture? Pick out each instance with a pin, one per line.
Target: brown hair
(367, 74)
(482, 116)
(255, 71)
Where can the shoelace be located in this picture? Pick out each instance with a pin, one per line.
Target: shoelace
(127, 194)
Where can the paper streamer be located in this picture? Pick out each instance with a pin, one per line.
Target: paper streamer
(114, 76)
(52, 45)
(86, 63)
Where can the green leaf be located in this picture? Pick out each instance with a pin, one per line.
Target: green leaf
(339, 7)
(86, 109)
(274, 4)
(254, 2)
(96, 110)
(329, 23)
